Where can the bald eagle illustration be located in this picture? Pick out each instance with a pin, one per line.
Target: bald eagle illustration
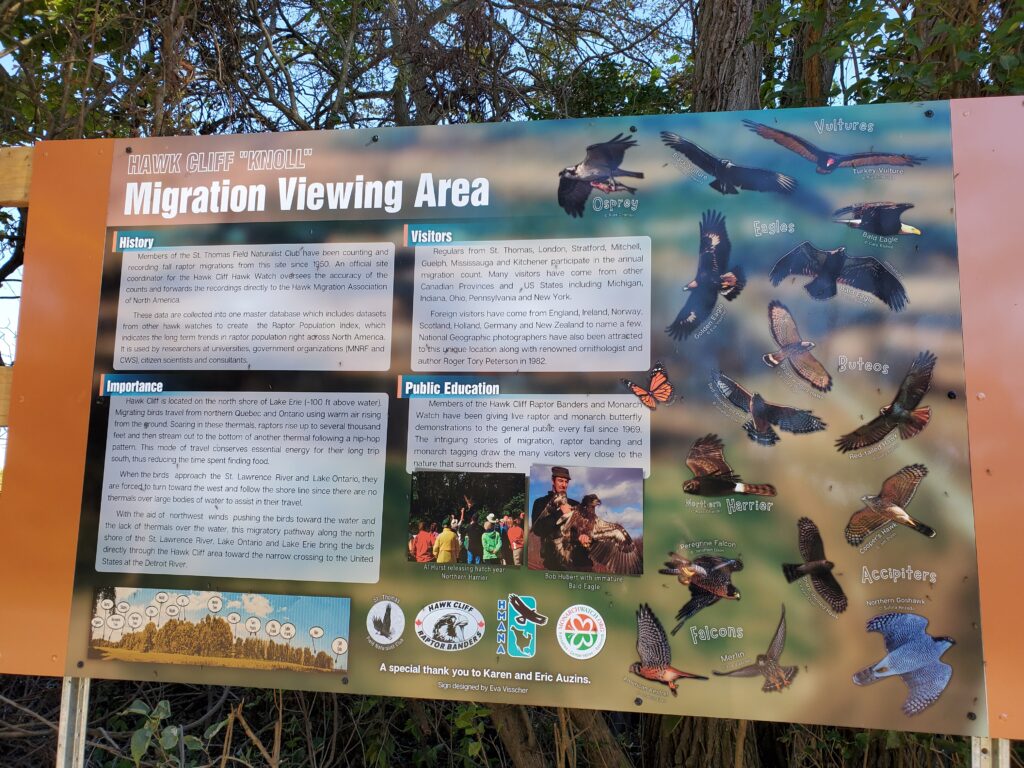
(876, 218)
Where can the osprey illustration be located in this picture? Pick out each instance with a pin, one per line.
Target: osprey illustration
(713, 277)
(912, 654)
(712, 476)
(765, 415)
(655, 653)
(889, 506)
(596, 171)
(729, 178)
(776, 676)
(794, 349)
(812, 550)
(876, 218)
(709, 578)
(902, 413)
(829, 268)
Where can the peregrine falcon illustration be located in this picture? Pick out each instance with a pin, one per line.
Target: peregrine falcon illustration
(713, 277)
(765, 415)
(654, 651)
(876, 218)
(825, 161)
(712, 476)
(902, 413)
(729, 178)
(794, 349)
(526, 613)
(889, 506)
(776, 676)
(829, 268)
(912, 654)
(382, 624)
(709, 578)
(812, 550)
(598, 170)
(582, 541)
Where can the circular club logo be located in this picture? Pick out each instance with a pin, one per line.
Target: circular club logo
(449, 625)
(385, 624)
(581, 632)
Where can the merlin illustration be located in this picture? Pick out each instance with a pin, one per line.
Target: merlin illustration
(832, 268)
(713, 277)
(765, 415)
(654, 651)
(712, 476)
(912, 654)
(815, 565)
(889, 506)
(876, 218)
(794, 349)
(776, 676)
(729, 178)
(598, 170)
(902, 413)
(709, 578)
(825, 161)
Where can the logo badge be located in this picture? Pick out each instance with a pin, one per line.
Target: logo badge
(518, 620)
(581, 632)
(385, 623)
(450, 625)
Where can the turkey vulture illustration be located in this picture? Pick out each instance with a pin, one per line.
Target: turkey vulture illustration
(794, 349)
(655, 653)
(902, 413)
(765, 415)
(713, 277)
(597, 171)
(876, 218)
(709, 578)
(812, 550)
(729, 178)
(889, 506)
(831, 267)
(776, 676)
(826, 161)
(712, 476)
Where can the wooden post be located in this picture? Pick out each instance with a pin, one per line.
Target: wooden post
(15, 175)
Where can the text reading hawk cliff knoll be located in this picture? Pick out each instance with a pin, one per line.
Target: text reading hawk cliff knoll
(533, 305)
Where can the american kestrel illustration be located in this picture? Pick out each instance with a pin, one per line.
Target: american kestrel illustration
(876, 218)
(794, 349)
(596, 171)
(902, 413)
(654, 651)
(709, 578)
(889, 505)
(914, 655)
(829, 268)
(812, 550)
(776, 677)
(712, 476)
(714, 277)
(764, 415)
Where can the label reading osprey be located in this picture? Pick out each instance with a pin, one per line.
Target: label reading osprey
(449, 625)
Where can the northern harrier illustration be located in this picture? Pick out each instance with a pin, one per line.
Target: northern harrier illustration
(825, 161)
(654, 651)
(812, 550)
(714, 277)
(876, 218)
(709, 578)
(729, 178)
(794, 349)
(832, 268)
(712, 476)
(889, 506)
(598, 170)
(765, 415)
(902, 413)
(912, 654)
(776, 676)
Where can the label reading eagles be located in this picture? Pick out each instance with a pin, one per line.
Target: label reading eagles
(581, 632)
(449, 625)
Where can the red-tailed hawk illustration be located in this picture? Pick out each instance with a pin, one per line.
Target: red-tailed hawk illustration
(794, 349)
(654, 651)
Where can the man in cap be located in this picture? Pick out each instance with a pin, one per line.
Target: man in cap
(545, 526)
(559, 485)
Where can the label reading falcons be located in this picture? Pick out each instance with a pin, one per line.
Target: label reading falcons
(449, 625)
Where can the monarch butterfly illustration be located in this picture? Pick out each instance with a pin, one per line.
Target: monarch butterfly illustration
(659, 388)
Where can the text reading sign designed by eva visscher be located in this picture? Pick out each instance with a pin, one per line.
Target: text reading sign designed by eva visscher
(651, 413)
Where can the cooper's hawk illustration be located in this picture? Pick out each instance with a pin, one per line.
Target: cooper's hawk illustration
(794, 349)
(764, 415)
(776, 676)
(596, 171)
(889, 506)
(912, 654)
(654, 651)
(902, 413)
(729, 178)
(712, 476)
(829, 268)
(876, 218)
(812, 550)
(709, 578)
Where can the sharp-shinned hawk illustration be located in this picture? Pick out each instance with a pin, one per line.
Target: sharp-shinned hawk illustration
(812, 550)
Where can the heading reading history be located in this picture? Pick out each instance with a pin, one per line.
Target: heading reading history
(295, 193)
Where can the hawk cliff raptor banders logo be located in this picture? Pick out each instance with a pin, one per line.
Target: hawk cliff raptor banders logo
(450, 625)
